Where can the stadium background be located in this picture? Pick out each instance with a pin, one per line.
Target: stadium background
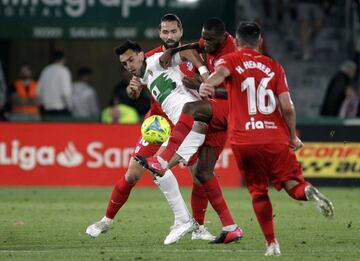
(87, 31)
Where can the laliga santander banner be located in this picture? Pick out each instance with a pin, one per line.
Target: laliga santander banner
(330, 159)
(81, 154)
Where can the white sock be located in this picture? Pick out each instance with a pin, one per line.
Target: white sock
(170, 188)
(107, 220)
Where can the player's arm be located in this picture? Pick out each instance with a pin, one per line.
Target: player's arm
(288, 112)
(194, 84)
(215, 79)
(134, 88)
(165, 59)
(192, 56)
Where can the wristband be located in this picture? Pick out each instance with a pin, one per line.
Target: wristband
(202, 70)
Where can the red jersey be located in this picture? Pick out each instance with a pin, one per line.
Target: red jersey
(253, 86)
(228, 47)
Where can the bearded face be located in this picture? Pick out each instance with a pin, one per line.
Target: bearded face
(170, 34)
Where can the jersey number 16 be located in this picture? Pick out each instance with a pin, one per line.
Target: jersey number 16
(257, 99)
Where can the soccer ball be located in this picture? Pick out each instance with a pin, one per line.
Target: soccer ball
(155, 129)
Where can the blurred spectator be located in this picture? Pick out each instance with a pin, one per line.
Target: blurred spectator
(142, 104)
(3, 93)
(350, 106)
(24, 102)
(55, 88)
(84, 98)
(339, 88)
(310, 16)
(117, 112)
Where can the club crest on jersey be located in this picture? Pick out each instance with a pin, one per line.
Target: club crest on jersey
(254, 125)
(189, 65)
(150, 72)
(219, 61)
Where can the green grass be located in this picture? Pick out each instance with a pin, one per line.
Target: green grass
(49, 224)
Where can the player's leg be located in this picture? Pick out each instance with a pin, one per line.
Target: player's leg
(199, 203)
(189, 146)
(183, 221)
(198, 111)
(288, 175)
(252, 162)
(119, 196)
(205, 174)
(122, 188)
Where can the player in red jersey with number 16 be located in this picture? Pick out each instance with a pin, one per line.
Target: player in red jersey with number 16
(262, 128)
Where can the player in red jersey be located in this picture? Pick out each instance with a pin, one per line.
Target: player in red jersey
(170, 33)
(262, 128)
(215, 42)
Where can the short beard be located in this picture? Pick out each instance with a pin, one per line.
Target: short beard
(171, 45)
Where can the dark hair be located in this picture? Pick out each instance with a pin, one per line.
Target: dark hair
(215, 25)
(58, 55)
(248, 33)
(84, 71)
(128, 44)
(171, 18)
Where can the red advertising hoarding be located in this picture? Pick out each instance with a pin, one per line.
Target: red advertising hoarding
(76, 154)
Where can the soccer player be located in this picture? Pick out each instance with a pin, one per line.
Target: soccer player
(215, 41)
(262, 128)
(167, 88)
(170, 33)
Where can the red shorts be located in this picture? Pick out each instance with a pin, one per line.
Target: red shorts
(217, 132)
(145, 149)
(261, 163)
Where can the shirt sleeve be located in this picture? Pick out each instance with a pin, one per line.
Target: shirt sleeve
(225, 61)
(67, 88)
(281, 85)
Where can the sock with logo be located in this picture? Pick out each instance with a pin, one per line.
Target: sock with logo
(199, 202)
(264, 214)
(170, 188)
(178, 134)
(217, 201)
(298, 192)
(118, 198)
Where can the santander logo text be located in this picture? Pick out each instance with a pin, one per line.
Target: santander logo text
(28, 157)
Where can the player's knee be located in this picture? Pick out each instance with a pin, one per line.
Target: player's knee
(189, 108)
(259, 195)
(134, 173)
(204, 175)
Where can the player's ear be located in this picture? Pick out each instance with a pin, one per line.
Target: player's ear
(142, 55)
(237, 44)
(260, 42)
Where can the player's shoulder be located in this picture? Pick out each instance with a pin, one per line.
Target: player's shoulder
(154, 51)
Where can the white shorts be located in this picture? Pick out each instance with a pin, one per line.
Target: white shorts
(174, 103)
(189, 146)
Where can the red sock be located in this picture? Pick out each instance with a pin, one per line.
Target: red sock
(298, 192)
(119, 196)
(216, 198)
(263, 211)
(178, 134)
(199, 202)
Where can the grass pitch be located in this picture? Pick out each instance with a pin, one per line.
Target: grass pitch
(49, 224)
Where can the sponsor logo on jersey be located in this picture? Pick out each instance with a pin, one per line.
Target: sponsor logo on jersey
(258, 125)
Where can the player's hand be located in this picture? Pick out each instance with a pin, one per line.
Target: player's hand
(206, 90)
(165, 59)
(191, 83)
(134, 88)
(296, 143)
